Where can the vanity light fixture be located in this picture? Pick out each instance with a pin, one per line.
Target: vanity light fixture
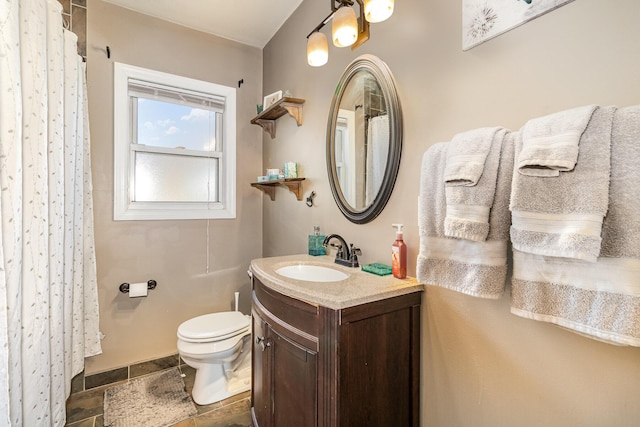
(348, 29)
(378, 10)
(344, 28)
(317, 49)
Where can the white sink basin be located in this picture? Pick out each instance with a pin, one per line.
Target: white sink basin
(312, 273)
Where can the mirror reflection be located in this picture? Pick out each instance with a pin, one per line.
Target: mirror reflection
(361, 140)
(364, 139)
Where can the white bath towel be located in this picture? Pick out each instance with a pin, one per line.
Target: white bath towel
(550, 143)
(563, 216)
(468, 207)
(466, 156)
(601, 299)
(473, 268)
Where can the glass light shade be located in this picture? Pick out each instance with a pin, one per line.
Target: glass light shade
(317, 49)
(377, 10)
(344, 30)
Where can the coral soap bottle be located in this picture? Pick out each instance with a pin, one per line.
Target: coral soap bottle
(399, 255)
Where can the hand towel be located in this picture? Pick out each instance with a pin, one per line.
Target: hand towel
(550, 143)
(601, 299)
(473, 268)
(466, 156)
(468, 206)
(563, 216)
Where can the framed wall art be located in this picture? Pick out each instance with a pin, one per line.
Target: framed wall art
(485, 19)
(271, 99)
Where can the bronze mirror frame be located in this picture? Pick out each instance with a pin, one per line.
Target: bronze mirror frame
(378, 69)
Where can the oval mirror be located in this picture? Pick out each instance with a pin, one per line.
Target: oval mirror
(364, 139)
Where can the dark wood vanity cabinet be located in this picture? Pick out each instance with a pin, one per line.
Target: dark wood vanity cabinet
(316, 366)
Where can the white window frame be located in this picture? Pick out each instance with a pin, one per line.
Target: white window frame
(124, 208)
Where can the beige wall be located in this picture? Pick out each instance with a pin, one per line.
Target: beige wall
(171, 252)
(481, 365)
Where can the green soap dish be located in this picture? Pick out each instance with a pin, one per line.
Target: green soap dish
(376, 268)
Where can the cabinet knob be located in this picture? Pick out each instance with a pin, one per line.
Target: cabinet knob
(262, 343)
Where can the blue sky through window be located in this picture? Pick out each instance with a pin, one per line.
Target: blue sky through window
(169, 125)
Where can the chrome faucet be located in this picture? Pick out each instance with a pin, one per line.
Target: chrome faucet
(344, 256)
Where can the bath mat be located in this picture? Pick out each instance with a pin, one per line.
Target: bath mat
(152, 401)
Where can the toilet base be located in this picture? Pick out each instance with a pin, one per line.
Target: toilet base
(239, 383)
(211, 385)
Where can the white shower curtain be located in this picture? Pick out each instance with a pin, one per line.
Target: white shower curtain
(48, 287)
(377, 154)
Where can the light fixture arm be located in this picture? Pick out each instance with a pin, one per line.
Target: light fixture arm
(321, 24)
(334, 9)
(363, 28)
(340, 3)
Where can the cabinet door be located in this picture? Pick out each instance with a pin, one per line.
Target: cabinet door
(379, 370)
(260, 373)
(294, 383)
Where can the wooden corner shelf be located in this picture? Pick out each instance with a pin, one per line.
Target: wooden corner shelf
(269, 187)
(267, 119)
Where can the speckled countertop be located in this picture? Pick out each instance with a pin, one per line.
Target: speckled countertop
(359, 288)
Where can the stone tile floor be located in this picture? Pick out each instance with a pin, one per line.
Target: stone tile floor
(85, 408)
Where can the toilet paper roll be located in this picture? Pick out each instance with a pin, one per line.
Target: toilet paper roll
(138, 290)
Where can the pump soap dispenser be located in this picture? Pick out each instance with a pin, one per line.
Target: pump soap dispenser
(315, 242)
(399, 255)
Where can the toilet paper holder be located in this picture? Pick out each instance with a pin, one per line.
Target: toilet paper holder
(151, 284)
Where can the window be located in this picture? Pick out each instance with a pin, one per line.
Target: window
(174, 146)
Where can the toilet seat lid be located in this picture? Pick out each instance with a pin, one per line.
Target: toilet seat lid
(215, 325)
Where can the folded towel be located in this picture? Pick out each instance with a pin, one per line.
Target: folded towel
(601, 299)
(468, 206)
(473, 268)
(466, 156)
(550, 143)
(563, 216)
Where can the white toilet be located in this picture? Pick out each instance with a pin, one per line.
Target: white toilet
(218, 346)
